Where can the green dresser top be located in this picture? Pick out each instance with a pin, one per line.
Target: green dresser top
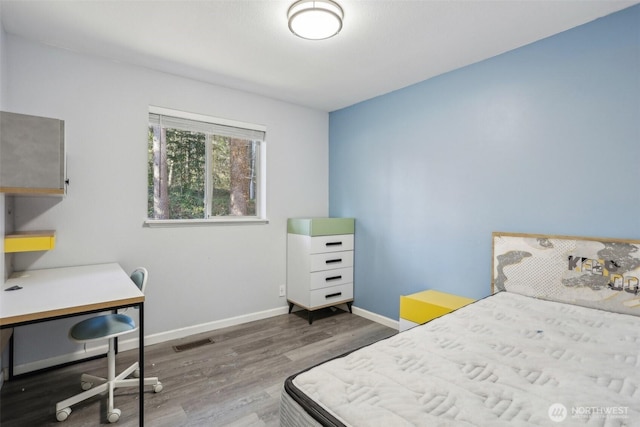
(321, 226)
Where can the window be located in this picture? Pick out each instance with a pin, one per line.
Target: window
(203, 168)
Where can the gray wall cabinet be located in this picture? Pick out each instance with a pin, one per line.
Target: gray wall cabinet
(32, 154)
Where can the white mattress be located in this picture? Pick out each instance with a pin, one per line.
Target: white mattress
(506, 360)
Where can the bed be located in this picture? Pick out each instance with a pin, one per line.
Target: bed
(558, 341)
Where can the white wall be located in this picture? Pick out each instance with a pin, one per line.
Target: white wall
(2, 196)
(3, 64)
(2, 61)
(198, 275)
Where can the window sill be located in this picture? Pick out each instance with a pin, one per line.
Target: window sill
(157, 223)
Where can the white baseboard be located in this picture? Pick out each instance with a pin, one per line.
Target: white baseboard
(59, 360)
(212, 326)
(376, 317)
(130, 344)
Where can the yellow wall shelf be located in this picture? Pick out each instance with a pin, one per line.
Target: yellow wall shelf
(29, 241)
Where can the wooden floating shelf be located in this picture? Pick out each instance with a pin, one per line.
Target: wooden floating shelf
(17, 191)
(30, 241)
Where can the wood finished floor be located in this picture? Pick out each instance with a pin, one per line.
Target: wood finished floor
(236, 381)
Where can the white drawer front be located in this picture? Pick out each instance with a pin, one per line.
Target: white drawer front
(341, 242)
(331, 260)
(332, 295)
(325, 279)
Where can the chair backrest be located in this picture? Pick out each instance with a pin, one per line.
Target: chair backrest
(139, 277)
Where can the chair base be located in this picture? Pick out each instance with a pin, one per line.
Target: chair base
(88, 383)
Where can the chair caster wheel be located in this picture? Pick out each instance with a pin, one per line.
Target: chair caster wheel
(136, 373)
(86, 385)
(157, 388)
(63, 414)
(114, 416)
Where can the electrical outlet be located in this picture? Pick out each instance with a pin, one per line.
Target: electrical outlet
(282, 290)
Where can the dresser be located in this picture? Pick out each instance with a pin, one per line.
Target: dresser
(319, 263)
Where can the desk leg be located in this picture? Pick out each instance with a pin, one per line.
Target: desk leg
(141, 363)
(115, 340)
(11, 355)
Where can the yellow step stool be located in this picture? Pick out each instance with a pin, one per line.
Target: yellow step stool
(419, 308)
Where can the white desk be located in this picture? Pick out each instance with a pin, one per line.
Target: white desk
(62, 292)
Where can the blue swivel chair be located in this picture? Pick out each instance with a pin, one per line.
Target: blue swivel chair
(107, 326)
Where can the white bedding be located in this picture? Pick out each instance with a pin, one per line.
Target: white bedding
(506, 360)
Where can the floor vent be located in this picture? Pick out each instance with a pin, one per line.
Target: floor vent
(193, 344)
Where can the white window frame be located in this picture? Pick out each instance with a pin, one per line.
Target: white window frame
(261, 205)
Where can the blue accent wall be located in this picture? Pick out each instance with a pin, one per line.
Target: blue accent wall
(542, 139)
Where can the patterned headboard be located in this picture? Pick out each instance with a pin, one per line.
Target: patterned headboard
(592, 272)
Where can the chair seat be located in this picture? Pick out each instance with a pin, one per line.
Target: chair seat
(101, 327)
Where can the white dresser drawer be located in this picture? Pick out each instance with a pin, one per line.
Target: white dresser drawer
(340, 242)
(327, 278)
(331, 260)
(332, 295)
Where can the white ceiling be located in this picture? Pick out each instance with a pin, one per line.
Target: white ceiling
(246, 44)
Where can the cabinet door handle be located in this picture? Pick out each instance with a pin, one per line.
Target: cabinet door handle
(333, 244)
(333, 278)
(337, 294)
(332, 261)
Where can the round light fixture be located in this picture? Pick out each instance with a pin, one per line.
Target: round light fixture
(315, 19)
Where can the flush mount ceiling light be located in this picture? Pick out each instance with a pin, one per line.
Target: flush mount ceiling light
(315, 19)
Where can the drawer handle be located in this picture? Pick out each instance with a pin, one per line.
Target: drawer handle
(333, 244)
(333, 278)
(337, 294)
(332, 261)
